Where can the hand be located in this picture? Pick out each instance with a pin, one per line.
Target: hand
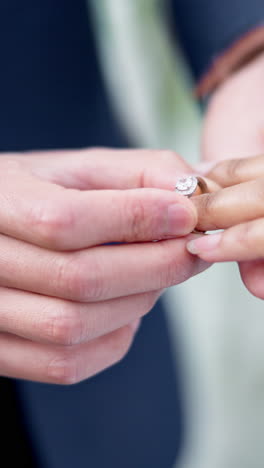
(69, 305)
(239, 209)
(234, 128)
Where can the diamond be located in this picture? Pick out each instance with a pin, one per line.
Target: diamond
(186, 185)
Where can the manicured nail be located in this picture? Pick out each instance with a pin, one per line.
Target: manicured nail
(205, 243)
(180, 220)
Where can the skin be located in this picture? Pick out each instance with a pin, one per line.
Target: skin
(70, 306)
(238, 209)
(234, 129)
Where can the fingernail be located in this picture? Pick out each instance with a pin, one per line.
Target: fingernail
(135, 325)
(204, 244)
(180, 220)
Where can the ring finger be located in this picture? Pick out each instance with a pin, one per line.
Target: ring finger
(46, 319)
(230, 206)
(95, 274)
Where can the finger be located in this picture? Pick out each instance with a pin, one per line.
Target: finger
(230, 206)
(239, 243)
(252, 274)
(50, 216)
(237, 171)
(96, 274)
(25, 359)
(102, 168)
(84, 219)
(49, 320)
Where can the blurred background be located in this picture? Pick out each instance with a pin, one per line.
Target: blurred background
(219, 324)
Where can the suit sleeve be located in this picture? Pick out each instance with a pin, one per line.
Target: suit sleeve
(218, 35)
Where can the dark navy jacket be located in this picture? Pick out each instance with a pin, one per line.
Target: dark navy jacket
(52, 96)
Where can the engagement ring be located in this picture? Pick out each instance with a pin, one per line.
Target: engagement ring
(191, 185)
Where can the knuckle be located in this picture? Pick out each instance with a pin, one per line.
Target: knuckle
(209, 202)
(174, 267)
(138, 222)
(232, 169)
(207, 210)
(71, 280)
(78, 281)
(67, 327)
(63, 369)
(166, 267)
(50, 222)
(227, 172)
(244, 236)
(170, 271)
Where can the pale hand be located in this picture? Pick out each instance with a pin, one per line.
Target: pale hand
(70, 306)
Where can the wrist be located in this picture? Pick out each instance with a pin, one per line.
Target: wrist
(234, 120)
(241, 52)
(250, 72)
